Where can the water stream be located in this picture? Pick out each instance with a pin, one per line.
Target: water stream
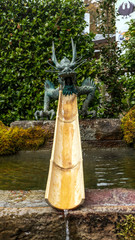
(66, 224)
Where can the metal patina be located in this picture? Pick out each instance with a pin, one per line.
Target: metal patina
(67, 80)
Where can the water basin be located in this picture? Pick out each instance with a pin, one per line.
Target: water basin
(103, 168)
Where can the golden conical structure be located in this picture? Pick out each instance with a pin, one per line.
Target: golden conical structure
(65, 185)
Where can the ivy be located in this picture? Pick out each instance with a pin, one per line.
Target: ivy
(110, 68)
(127, 61)
(128, 57)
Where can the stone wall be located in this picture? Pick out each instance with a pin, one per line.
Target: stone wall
(24, 215)
(94, 132)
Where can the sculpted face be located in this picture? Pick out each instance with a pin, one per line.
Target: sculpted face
(65, 66)
(65, 62)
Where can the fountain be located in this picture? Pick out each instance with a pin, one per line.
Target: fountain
(25, 214)
(65, 185)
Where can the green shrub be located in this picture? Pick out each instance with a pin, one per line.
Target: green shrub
(128, 126)
(127, 61)
(128, 82)
(26, 34)
(13, 139)
(128, 58)
(110, 68)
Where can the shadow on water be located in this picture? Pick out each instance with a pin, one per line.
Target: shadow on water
(103, 168)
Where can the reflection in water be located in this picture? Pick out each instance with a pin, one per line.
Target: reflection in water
(103, 168)
(25, 170)
(109, 168)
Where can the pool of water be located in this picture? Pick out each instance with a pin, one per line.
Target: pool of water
(103, 168)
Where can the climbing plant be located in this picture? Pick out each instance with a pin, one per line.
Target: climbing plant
(128, 57)
(26, 34)
(127, 60)
(110, 69)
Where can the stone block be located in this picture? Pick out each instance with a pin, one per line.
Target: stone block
(25, 215)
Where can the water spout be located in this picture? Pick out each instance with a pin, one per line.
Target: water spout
(66, 224)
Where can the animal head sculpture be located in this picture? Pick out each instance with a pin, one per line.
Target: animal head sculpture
(65, 66)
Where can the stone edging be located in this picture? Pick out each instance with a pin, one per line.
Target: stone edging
(94, 132)
(25, 215)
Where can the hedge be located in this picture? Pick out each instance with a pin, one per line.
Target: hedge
(27, 29)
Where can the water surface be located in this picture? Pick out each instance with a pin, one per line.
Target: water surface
(103, 168)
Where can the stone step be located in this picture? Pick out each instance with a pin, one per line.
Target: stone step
(26, 215)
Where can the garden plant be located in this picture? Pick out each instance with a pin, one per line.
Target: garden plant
(26, 34)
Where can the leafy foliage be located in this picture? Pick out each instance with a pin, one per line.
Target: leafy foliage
(128, 126)
(106, 17)
(128, 82)
(110, 69)
(26, 34)
(128, 58)
(13, 139)
(127, 61)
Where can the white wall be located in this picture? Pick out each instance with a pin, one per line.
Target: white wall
(87, 19)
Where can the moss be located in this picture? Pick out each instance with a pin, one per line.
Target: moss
(128, 126)
(13, 139)
(126, 228)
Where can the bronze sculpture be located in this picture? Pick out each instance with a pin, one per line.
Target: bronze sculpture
(66, 69)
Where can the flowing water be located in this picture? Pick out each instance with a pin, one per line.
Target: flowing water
(66, 225)
(103, 168)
